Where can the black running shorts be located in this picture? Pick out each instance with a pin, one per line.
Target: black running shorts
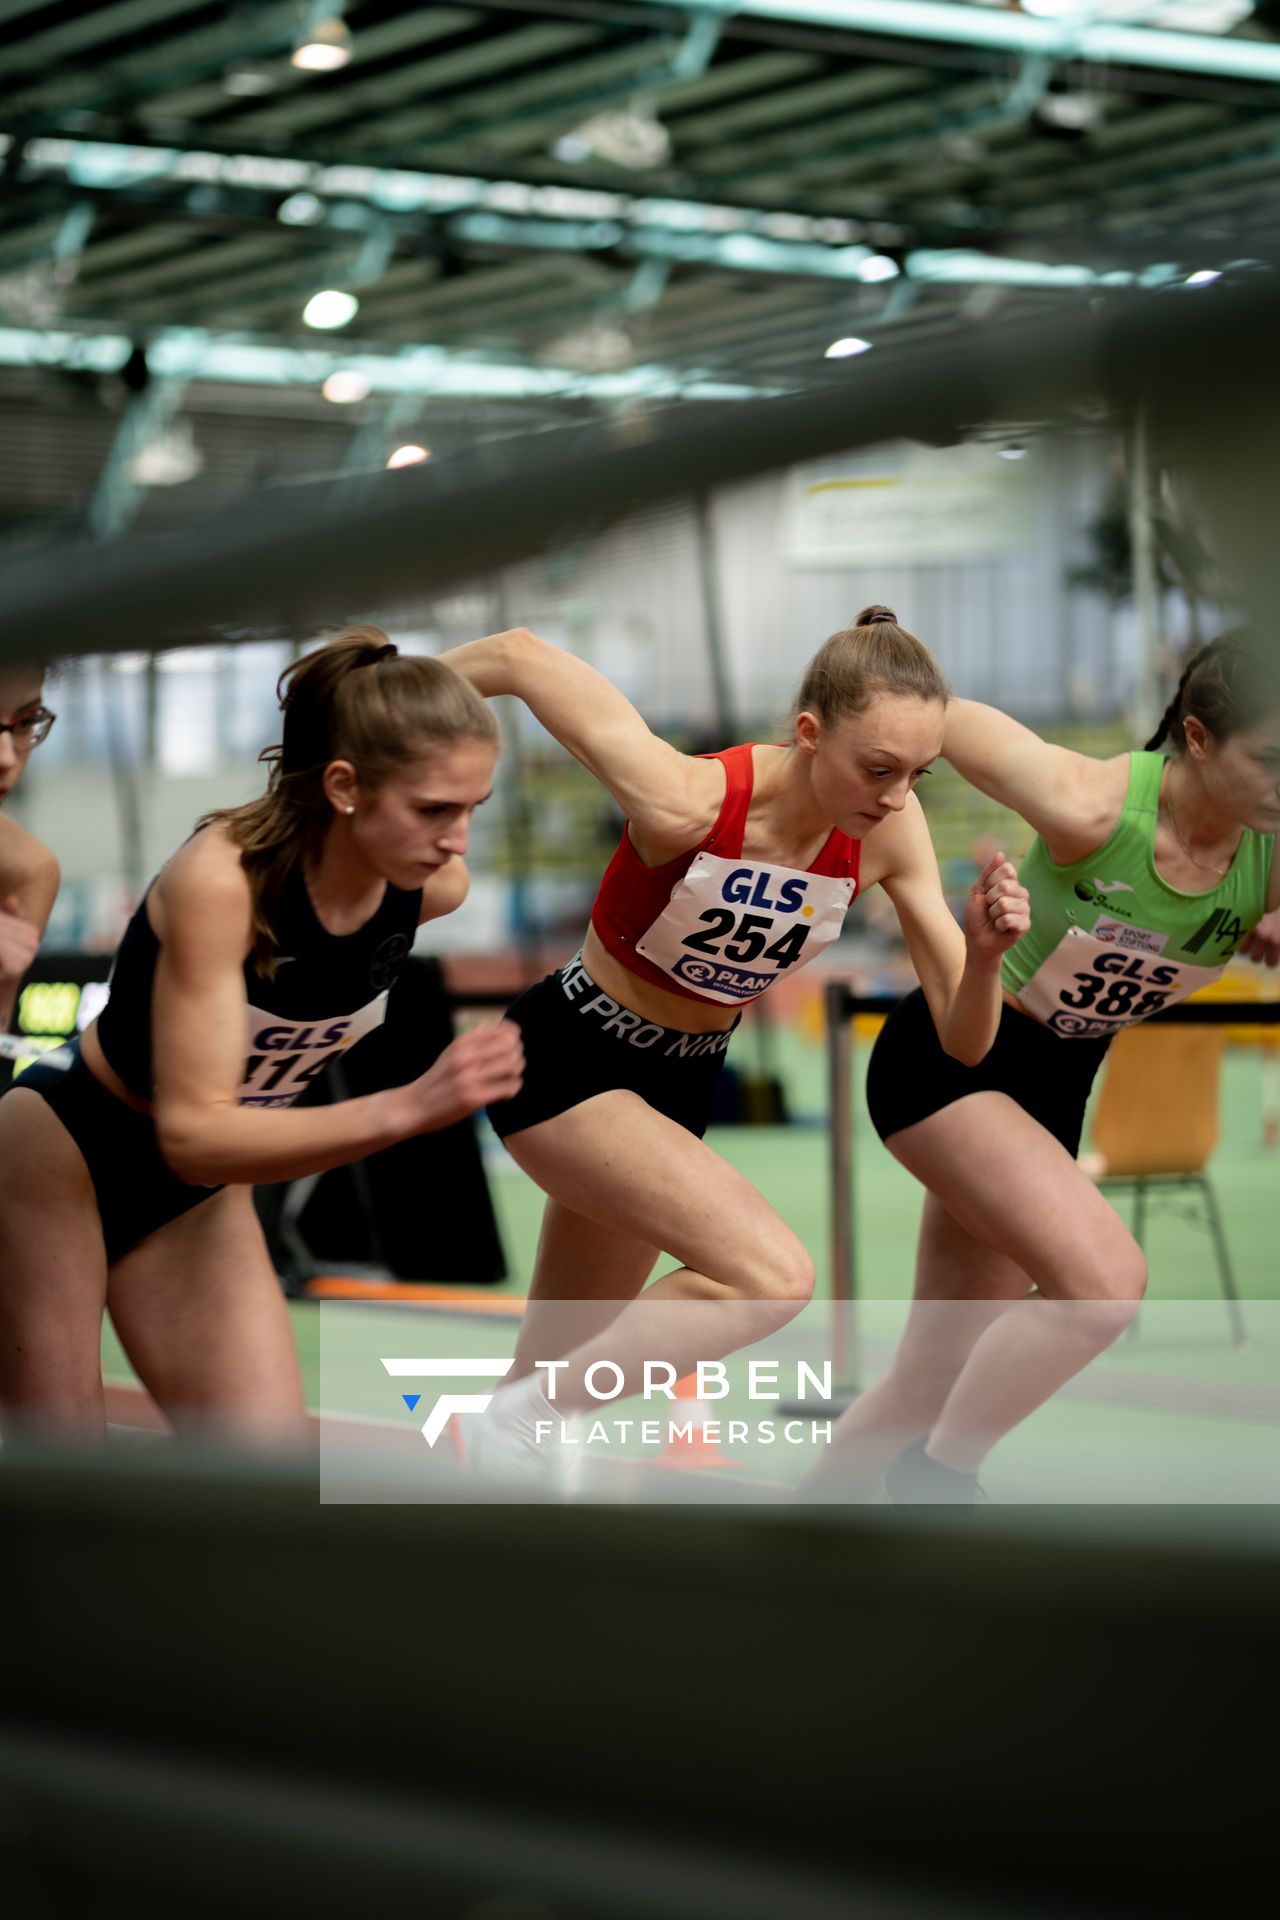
(910, 1077)
(579, 1042)
(137, 1189)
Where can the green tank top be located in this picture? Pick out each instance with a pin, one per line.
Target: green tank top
(1110, 941)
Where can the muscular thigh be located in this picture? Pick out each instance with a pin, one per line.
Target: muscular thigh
(51, 1254)
(581, 1259)
(951, 1264)
(1011, 1187)
(583, 1276)
(200, 1313)
(618, 1164)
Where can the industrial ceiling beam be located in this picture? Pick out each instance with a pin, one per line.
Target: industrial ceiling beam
(89, 30)
(998, 30)
(297, 557)
(195, 353)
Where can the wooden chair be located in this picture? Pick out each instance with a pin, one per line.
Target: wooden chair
(1156, 1124)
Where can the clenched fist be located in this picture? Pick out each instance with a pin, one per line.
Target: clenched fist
(998, 910)
(1263, 944)
(483, 1065)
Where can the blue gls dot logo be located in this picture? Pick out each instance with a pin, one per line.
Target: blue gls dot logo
(746, 886)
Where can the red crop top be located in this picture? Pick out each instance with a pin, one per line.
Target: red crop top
(712, 926)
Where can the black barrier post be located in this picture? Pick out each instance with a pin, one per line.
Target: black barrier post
(838, 1002)
(844, 1278)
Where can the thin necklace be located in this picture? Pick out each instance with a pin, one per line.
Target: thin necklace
(1202, 864)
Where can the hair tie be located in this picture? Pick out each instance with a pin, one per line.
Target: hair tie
(380, 653)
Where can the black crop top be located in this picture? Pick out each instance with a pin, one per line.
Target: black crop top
(330, 990)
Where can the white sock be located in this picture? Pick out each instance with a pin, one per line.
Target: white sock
(505, 1438)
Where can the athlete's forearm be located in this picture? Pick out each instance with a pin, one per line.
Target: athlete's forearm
(235, 1145)
(968, 1027)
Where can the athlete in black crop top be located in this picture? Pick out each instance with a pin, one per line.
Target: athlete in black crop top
(263, 949)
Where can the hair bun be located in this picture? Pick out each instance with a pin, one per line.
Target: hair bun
(870, 615)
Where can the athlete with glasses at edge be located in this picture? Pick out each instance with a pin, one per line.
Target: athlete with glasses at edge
(28, 871)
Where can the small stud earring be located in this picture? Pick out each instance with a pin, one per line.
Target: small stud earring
(350, 809)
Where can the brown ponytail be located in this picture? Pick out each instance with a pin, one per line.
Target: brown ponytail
(355, 699)
(1225, 685)
(873, 655)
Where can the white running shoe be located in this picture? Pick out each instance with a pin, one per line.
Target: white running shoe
(504, 1444)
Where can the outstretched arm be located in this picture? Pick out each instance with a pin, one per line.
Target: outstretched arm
(665, 794)
(28, 887)
(1072, 800)
(958, 970)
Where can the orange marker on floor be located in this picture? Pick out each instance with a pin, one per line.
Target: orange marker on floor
(694, 1453)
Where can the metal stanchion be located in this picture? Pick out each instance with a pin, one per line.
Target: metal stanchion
(844, 1279)
(839, 1003)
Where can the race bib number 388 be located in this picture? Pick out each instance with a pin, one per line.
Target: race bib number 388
(1089, 987)
(732, 926)
(286, 1055)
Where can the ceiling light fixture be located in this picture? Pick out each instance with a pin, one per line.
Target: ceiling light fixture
(300, 210)
(846, 349)
(633, 137)
(330, 308)
(324, 44)
(345, 386)
(1205, 277)
(245, 79)
(408, 456)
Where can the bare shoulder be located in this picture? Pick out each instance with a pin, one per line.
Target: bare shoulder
(204, 889)
(23, 858)
(1088, 806)
(670, 818)
(445, 891)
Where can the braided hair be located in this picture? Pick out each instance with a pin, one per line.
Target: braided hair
(1225, 685)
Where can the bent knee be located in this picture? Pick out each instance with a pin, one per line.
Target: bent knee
(1096, 1323)
(781, 1272)
(1115, 1274)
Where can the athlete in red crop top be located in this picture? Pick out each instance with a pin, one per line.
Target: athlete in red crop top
(733, 870)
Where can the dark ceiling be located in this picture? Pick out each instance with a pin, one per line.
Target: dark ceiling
(154, 225)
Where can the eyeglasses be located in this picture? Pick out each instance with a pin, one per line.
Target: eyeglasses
(29, 729)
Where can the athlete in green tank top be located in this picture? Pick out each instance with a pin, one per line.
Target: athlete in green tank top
(1145, 876)
(1111, 940)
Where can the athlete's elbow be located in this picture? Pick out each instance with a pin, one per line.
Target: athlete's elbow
(963, 1046)
(517, 647)
(967, 1056)
(185, 1147)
